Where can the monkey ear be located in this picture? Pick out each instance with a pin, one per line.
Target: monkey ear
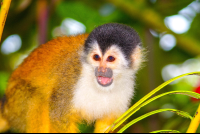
(137, 57)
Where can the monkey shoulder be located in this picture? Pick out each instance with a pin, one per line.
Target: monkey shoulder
(48, 57)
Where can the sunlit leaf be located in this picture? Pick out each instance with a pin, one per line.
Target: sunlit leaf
(188, 93)
(137, 105)
(178, 112)
(165, 131)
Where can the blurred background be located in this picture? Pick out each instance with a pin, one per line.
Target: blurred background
(169, 30)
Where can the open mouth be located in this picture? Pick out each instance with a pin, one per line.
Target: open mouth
(104, 81)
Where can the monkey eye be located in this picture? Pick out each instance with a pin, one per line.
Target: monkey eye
(110, 59)
(96, 57)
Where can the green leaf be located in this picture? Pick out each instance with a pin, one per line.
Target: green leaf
(188, 93)
(165, 131)
(137, 106)
(178, 112)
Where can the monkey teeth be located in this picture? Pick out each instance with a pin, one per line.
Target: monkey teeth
(105, 81)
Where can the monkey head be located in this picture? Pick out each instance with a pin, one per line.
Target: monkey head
(112, 51)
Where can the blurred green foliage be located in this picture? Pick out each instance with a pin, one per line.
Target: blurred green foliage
(3, 81)
(142, 15)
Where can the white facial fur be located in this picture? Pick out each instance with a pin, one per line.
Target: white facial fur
(96, 101)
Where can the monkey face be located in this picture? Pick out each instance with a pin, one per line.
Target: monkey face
(107, 66)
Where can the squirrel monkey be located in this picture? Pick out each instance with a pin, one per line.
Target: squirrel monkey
(71, 79)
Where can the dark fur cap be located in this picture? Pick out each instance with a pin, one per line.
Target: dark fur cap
(110, 34)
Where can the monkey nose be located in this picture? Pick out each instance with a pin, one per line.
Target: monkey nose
(102, 69)
(104, 72)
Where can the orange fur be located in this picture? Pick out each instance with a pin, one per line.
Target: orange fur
(33, 94)
(103, 124)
